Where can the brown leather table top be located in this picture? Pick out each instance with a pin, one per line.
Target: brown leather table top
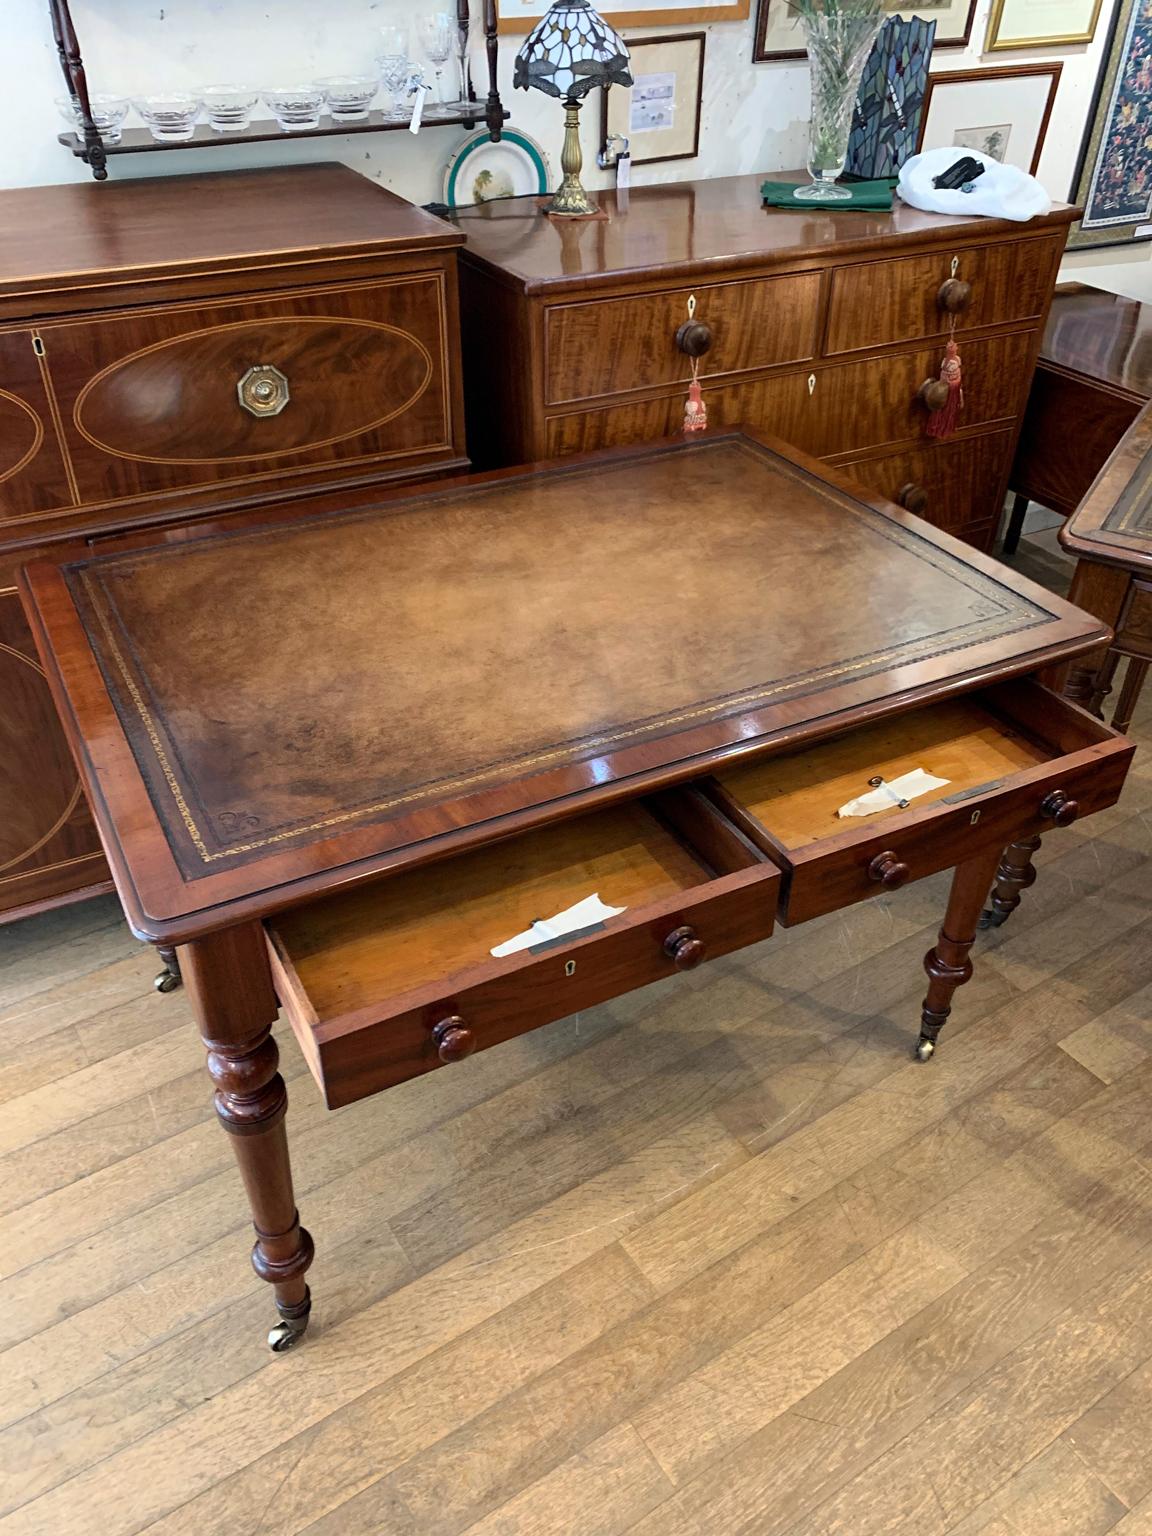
(299, 696)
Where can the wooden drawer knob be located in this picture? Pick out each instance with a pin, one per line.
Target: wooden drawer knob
(954, 296)
(887, 870)
(684, 949)
(1057, 808)
(933, 394)
(454, 1040)
(694, 338)
(912, 497)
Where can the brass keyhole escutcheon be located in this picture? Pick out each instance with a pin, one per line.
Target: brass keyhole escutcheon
(263, 390)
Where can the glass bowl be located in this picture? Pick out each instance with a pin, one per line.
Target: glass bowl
(229, 107)
(171, 118)
(348, 96)
(295, 107)
(108, 114)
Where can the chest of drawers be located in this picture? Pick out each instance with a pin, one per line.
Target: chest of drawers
(821, 329)
(190, 341)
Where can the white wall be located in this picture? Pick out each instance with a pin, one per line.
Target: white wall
(753, 119)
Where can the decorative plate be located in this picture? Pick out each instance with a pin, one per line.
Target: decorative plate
(481, 171)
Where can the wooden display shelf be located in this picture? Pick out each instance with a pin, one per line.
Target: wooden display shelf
(88, 146)
(137, 141)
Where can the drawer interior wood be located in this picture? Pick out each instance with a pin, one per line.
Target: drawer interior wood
(414, 930)
(796, 796)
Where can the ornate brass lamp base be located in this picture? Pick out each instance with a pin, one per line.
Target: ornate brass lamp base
(570, 201)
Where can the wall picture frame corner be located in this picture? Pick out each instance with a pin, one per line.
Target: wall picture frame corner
(776, 33)
(1002, 111)
(1019, 24)
(1112, 182)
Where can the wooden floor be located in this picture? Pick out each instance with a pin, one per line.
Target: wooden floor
(717, 1259)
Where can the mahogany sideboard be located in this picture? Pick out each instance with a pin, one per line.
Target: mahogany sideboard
(1110, 533)
(820, 327)
(166, 344)
(1093, 375)
(406, 727)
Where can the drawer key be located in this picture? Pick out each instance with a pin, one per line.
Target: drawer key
(684, 948)
(454, 1040)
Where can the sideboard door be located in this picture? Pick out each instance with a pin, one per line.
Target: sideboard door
(33, 476)
(48, 844)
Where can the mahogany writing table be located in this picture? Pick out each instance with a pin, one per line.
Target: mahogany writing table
(337, 754)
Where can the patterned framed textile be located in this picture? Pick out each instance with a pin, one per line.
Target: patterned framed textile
(1113, 181)
(886, 122)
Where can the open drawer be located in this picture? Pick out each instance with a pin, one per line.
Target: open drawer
(396, 977)
(1018, 759)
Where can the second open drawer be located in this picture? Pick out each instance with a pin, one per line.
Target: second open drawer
(392, 979)
(1018, 759)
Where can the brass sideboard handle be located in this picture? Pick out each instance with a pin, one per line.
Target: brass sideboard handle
(912, 497)
(263, 391)
(694, 338)
(684, 949)
(1057, 808)
(933, 394)
(454, 1040)
(887, 870)
(954, 296)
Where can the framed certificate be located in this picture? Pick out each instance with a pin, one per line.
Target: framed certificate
(659, 114)
(1040, 23)
(779, 35)
(1003, 112)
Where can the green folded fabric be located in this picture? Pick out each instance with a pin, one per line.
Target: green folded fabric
(876, 195)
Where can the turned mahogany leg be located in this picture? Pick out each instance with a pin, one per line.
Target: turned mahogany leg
(1015, 524)
(1130, 694)
(1014, 875)
(169, 978)
(948, 965)
(231, 991)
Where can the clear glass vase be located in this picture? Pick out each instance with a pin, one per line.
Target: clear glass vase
(838, 49)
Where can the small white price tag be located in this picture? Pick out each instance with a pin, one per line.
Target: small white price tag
(418, 109)
(623, 173)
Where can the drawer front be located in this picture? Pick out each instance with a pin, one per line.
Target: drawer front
(215, 393)
(952, 485)
(1134, 632)
(48, 843)
(1088, 765)
(361, 1055)
(33, 475)
(831, 410)
(873, 303)
(611, 345)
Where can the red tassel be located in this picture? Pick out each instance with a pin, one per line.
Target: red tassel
(695, 411)
(942, 423)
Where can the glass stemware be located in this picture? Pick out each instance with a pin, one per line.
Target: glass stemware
(394, 67)
(437, 37)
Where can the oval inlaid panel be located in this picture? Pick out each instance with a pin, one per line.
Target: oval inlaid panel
(176, 402)
(29, 821)
(21, 433)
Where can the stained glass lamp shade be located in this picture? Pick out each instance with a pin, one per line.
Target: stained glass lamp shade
(569, 52)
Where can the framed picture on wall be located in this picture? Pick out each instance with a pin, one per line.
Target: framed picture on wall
(522, 15)
(660, 114)
(1003, 113)
(779, 35)
(1040, 23)
(1113, 181)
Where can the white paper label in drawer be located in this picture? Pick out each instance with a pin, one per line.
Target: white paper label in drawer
(891, 792)
(584, 914)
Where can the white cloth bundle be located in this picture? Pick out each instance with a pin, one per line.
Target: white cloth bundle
(1003, 192)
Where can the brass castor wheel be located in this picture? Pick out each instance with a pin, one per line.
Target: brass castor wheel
(925, 1049)
(167, 981)
(286, 1335)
